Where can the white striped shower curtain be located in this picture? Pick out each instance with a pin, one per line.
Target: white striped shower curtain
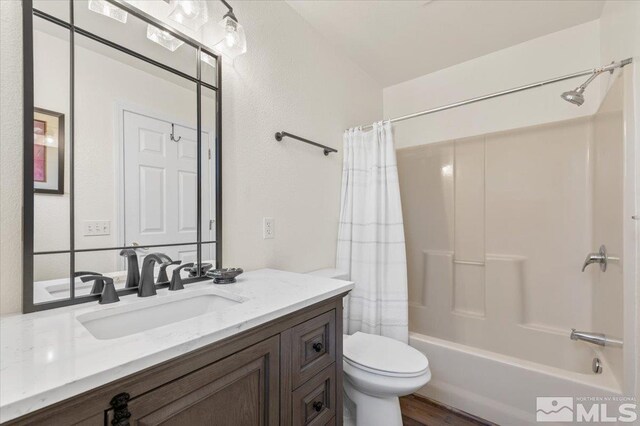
(371, 245)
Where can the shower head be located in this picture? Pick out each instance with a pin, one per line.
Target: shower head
(576, 96)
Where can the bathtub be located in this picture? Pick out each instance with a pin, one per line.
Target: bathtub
(500, 388)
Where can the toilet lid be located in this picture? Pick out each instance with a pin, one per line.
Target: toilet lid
(383, 354)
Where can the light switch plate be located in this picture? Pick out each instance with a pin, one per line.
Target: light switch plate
(96, 227)
(268, 229)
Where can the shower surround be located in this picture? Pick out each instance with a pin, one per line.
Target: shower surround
(497, 229)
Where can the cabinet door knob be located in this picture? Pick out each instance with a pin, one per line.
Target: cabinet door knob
(317, 346)
(318, 406)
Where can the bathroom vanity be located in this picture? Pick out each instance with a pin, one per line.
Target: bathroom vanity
(270, 353)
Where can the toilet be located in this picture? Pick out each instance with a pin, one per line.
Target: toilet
(377, 371)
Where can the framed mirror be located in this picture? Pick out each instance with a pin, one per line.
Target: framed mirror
(122, 147)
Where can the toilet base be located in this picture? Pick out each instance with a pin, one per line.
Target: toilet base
(373, 410)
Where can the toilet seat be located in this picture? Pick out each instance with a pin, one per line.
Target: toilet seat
(383, 356)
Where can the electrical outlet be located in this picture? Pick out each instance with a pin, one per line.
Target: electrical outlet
(96, 227)
(268, 230)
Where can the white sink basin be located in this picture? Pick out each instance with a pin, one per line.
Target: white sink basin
(153, 313)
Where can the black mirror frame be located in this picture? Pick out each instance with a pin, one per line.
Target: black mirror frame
(28, 13)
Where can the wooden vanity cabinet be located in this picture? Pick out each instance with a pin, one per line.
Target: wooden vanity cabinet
(241, 389)
(286, 372)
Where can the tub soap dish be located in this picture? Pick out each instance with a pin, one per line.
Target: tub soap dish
(224, 275)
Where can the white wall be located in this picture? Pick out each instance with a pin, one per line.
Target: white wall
(620, 38)
(290, 79)
(10, 156)
(565, 52)
(509, 199)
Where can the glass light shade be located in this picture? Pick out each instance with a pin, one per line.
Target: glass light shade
(192, 14)
(163, 38)
(107, 9)
(234, 42)
(210, 60)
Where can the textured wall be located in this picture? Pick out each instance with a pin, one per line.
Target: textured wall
(290, 79)
(10, 155)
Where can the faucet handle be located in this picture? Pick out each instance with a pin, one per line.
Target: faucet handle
(98, 282)
(176, 279)
(81, 273)
(162, 275)
(108, 293)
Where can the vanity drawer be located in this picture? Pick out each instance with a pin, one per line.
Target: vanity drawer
(313, 347)
(314, 403)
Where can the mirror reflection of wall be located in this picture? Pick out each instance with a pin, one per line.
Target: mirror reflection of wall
(135, 154)
(51, 93)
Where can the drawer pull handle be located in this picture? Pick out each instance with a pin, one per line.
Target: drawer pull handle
(317, 346)
(121, 413)
(318, 406)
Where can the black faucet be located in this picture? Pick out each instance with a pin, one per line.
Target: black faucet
(108, 294)
(133, 271)
(162, 274)
(147, 286)
(98, 284)
(176, 279)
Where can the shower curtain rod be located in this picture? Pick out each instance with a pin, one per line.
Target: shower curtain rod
(605, 68)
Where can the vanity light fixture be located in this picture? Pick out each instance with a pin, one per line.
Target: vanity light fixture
(163, 38)
(192, 14)
(105, 8)
(234, 42)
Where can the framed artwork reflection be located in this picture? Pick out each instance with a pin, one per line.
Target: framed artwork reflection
(48, 151)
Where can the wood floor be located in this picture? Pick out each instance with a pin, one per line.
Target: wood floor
(419, 411)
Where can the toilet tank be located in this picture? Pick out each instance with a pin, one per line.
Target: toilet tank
(331, 273)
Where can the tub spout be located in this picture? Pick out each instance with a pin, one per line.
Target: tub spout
(599, 339)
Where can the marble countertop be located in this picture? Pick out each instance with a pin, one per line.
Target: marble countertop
(49, 356)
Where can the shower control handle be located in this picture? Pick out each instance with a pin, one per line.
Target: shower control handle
(600, 257)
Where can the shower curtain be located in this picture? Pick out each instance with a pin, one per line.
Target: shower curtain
(371, 244)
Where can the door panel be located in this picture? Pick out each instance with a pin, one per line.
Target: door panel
(161, 184)
(242, 389)
(152, 209)
(187, 193)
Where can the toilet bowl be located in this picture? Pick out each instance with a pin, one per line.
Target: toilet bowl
(377, 371)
